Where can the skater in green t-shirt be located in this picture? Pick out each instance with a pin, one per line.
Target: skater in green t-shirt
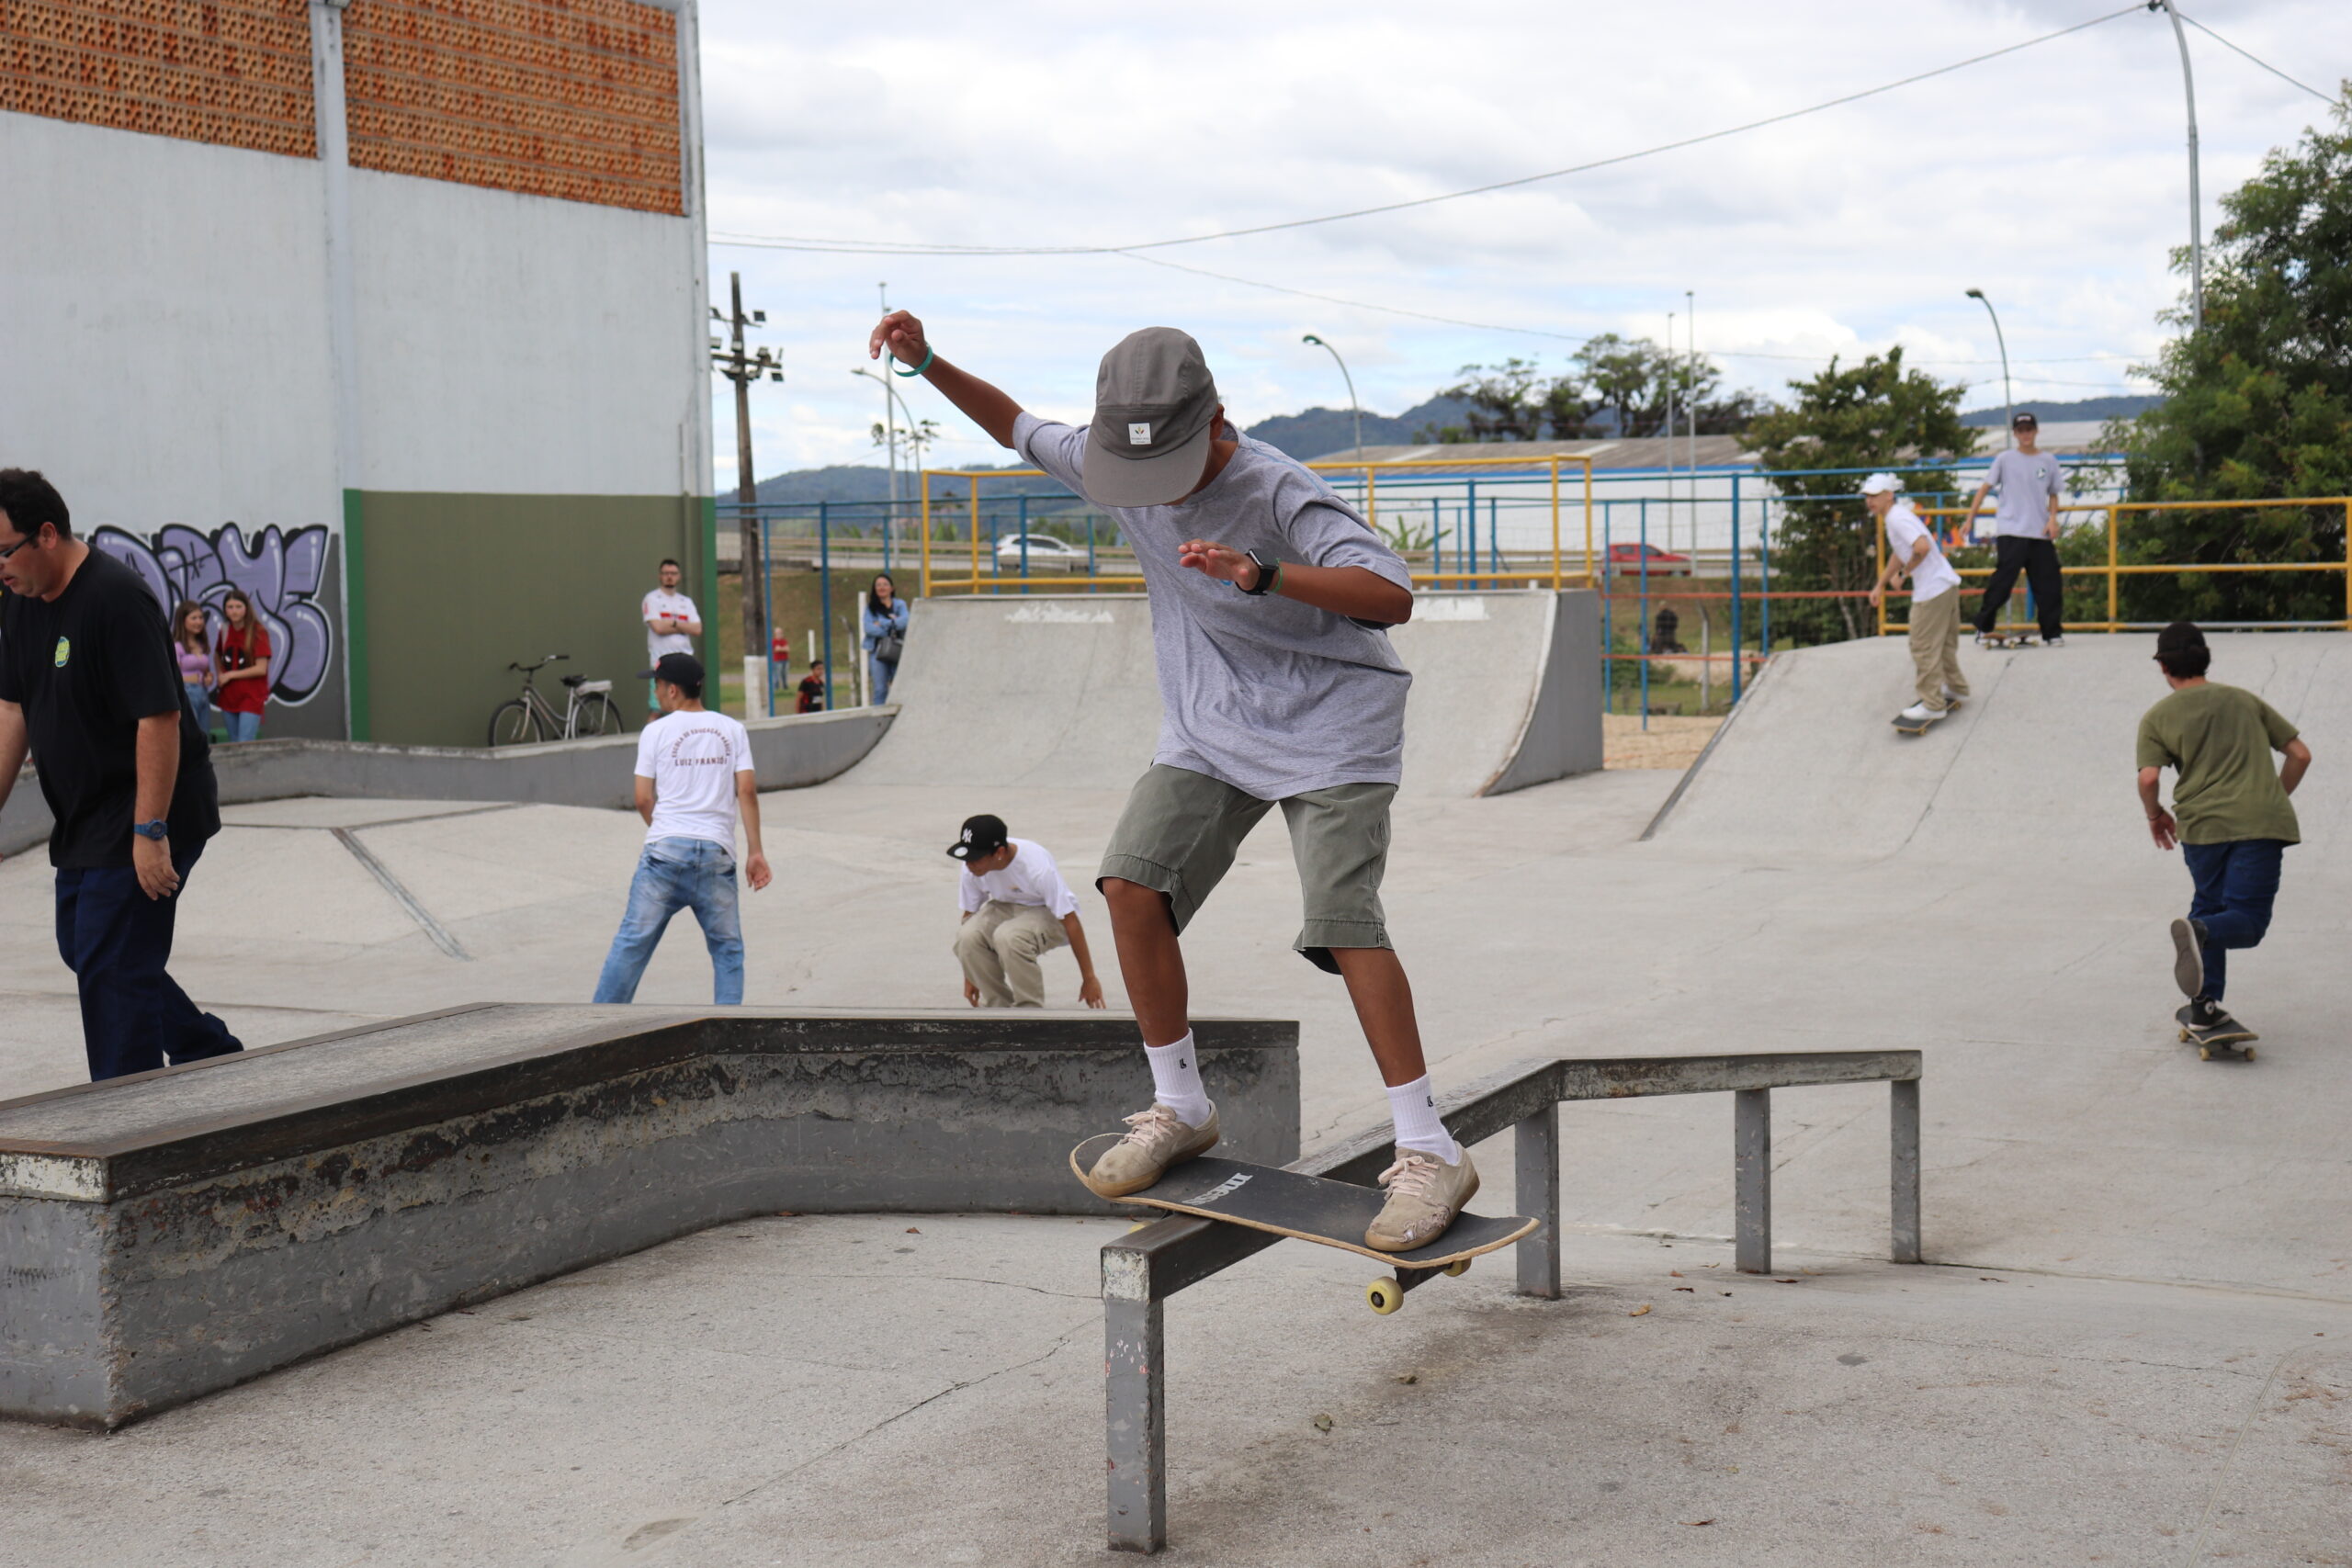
(2235, 821)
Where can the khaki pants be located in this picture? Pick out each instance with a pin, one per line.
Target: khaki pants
(999, 948)
(1935, 648)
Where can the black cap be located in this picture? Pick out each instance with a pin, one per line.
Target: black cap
(982, 835)
(2024, 416)
(682, 671)
(2181, 637)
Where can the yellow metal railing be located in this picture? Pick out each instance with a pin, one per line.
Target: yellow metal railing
(975, 581)
(2115, 570)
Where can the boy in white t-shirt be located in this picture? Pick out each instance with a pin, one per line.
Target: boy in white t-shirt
(1935, 599)
(693, 777)
(1016, 910)
(672, 624)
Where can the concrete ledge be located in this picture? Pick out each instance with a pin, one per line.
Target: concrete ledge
(170, 1234)
(790, 752)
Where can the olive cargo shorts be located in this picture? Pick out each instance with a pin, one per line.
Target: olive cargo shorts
(1181, 829)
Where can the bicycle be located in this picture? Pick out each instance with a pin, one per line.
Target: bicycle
(589, 710)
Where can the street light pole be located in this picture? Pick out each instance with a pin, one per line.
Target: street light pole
(2196, 213)
(1350, 380)
(744, 368)
(2008, 396)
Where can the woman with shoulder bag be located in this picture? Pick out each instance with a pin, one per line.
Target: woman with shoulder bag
(886, 632)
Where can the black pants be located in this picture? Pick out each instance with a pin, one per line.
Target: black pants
(2038, 558)
(117, 941)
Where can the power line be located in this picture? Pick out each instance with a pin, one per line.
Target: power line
(900, 247)
(2234, 48)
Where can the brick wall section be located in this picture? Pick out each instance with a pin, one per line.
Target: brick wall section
(569, 99)
(234, 72)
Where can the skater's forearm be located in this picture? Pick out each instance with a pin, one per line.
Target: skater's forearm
(644, 799)
(983, 404)
(1975, 504)
(2161, 827)
(1089, 987)
(2290, 772)
(1355, 592)
(747, 806)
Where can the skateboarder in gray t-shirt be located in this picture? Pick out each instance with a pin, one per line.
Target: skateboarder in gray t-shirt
(2025, 533)
(1271, 601)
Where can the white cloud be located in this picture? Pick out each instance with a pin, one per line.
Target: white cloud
(2053, 179)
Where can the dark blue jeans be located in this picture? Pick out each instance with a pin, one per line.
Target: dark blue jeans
(2236, 883)
(117, 941)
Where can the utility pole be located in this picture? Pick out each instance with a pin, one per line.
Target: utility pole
(1670, 434)
(744, 368)
(2196, 215)
(1690, 417)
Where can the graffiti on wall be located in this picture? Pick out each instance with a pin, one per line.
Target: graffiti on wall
(283, 572)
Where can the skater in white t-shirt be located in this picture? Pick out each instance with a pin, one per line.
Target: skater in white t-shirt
(672, 624)
(1271, 603)
(1912, 551)
(694, 780)
(1016, 908)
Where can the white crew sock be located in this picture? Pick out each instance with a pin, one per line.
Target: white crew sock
(1176, 1080)
(1414, 1107)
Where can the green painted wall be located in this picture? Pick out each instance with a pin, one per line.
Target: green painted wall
(451, 589)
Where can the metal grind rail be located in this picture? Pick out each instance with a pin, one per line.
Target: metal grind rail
(1146, 1267)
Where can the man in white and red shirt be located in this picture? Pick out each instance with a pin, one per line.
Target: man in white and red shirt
(672, 624)
(694, 779)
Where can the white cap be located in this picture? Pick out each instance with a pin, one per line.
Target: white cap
(1881, 484)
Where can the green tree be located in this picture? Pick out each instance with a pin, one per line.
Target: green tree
(1614, 385)
(2257, 403)
(1874, 415)
(1515, 401)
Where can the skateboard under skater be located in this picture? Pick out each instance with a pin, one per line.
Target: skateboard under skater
(2007, 639)
(1311, 1208)
(1919, 726)
(2223, 1039)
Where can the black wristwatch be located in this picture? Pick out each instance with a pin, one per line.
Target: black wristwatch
(1270, 576)
(158, 829)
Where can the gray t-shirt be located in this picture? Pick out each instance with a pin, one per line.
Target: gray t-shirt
(1272, 696)
(2027, 485)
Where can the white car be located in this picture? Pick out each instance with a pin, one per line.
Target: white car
(1048, 557)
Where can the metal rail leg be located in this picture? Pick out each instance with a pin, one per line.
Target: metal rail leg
(1537, 1181)
(1903, 1120)
(1752, 1140)
(1134, 1345)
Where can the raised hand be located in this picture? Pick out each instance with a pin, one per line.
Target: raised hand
(901, 333)
(1212, 559)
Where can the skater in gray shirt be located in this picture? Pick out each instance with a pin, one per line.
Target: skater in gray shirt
(1271, 600)
(2025, 533)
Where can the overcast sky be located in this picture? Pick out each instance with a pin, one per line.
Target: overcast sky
(2053, 179)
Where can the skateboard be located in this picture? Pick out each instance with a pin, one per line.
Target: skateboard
(1916, 725)
(2224, 1041)
(1312, 1208)
(2007, 639)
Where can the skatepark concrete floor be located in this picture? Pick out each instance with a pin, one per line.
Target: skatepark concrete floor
(2134, 1344)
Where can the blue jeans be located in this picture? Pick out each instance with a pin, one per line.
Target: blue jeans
(242, 726)
(117, 942)
(675, 875)
(880, 685)
(199, 704)
(2236, 883)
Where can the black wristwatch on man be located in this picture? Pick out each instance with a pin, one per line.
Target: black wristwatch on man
(1270, 576)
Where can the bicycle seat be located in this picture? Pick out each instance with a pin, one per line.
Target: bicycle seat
(573, 679)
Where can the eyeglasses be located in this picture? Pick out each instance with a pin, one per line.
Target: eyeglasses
(12, 549)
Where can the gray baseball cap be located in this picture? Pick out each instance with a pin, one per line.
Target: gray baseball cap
(1155, 407)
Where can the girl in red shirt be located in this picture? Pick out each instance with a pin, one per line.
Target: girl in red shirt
(242, 659)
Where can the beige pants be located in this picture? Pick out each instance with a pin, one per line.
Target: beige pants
(999, 948)
(1935, 648)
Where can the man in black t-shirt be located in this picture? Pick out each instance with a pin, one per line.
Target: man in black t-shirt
(88, 682)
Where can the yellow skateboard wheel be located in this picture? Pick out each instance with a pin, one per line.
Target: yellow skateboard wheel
(1459, 1267)
(1383, 1296)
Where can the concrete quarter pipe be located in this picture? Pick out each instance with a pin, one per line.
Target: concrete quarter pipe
(1058, 692)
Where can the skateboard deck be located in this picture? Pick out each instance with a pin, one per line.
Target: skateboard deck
(2007, 639)
(1308, 1208)
(2221, 1045)
(1914, 726)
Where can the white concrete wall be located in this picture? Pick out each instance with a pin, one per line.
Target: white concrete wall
(162, 319)
(516, 345)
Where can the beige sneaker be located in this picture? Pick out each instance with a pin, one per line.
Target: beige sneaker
(1424, 1194)
(1156, 1139)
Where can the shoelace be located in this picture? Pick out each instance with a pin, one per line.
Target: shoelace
(1152, 1123)
(1412, 1176)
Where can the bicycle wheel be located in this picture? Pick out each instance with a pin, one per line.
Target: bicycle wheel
(595, 715)
(513, 724)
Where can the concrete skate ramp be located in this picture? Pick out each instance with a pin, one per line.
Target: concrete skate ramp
(2037, 767)
(1058, 692)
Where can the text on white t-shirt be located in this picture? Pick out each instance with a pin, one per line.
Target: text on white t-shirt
(693, 758)
(677, 607)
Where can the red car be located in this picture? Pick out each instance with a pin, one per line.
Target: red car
(1626, 560)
